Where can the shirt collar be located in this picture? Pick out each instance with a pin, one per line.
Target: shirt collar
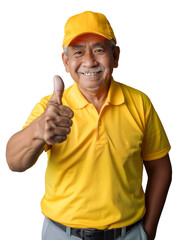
(76, 98)
(115, 96)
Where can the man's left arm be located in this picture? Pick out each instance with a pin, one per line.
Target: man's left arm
(159, 178)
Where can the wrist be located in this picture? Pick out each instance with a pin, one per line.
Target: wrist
(38, 124)
(150, 230)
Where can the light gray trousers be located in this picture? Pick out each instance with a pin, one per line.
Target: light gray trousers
(52, 232)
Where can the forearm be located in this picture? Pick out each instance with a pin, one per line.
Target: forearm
(24, 148)
(51, 127)
(159, 180)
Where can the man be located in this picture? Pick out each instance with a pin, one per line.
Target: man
(98, 134)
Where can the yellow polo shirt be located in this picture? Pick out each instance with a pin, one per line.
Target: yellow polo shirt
(94, 178)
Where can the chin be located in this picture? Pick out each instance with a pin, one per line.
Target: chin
(94, 88)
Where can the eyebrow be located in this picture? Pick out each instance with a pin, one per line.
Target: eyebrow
(77, 46)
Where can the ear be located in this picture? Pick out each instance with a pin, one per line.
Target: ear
(65, 61)
(116, 54)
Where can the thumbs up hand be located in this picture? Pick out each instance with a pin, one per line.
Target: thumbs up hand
(58, 90)
(56, 120)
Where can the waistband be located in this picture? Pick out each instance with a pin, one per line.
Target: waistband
(96, 234)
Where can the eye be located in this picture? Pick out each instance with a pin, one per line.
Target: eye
(78, 53)
(99, 50)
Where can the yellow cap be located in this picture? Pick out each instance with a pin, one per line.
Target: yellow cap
(87, 22)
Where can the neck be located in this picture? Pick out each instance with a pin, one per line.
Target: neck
(97, 97)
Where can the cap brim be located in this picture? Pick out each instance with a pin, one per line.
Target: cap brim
(67, 41)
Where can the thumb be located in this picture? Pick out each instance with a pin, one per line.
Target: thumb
(58, 89)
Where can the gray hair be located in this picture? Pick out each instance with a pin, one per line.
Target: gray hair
(65, 50)
(112, 42)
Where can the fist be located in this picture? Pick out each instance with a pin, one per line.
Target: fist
(56, 120)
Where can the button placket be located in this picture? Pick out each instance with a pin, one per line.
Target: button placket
(99, 123)
(100, 126)
(101, 134)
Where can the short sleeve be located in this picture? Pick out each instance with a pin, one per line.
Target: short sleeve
(155, 143)
(37, 111)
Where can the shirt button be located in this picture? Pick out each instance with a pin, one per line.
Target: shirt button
(99, 123)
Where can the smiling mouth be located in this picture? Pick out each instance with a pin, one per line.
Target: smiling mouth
(90, 73)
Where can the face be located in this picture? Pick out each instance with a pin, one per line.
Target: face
(90, 61)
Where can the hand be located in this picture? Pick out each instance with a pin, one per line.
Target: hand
(150, 237)
(149, 232)
(56, 120)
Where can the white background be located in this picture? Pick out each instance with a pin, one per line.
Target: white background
(30, 54)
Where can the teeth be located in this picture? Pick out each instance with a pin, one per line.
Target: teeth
(90, 74)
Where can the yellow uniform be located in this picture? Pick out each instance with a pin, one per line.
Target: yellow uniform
(94, 178)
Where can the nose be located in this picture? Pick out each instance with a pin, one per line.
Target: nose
(89, 60)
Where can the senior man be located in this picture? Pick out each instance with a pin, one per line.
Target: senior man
(98, 134)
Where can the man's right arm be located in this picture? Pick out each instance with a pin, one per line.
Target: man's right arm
(53, 126)
(24, 147)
